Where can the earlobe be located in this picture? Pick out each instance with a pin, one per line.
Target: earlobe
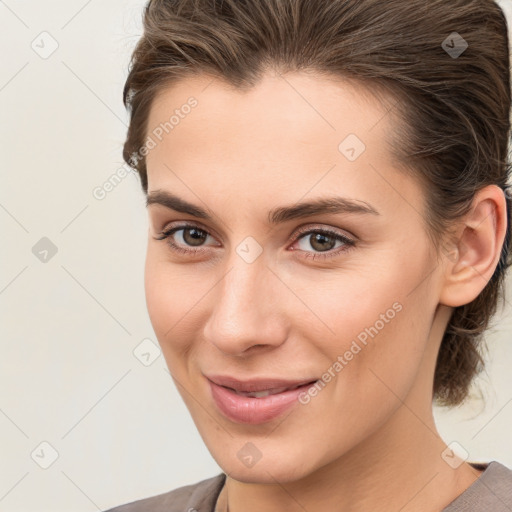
(476, 252)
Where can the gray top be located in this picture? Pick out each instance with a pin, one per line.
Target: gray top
(491, 492)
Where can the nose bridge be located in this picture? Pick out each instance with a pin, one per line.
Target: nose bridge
(243, 313)
(242, 291)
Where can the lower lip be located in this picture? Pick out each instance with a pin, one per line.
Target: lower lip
(245, 409)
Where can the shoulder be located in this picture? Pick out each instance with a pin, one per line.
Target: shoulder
(198, 497)
(491, 491)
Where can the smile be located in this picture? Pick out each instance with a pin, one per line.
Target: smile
(256, 401)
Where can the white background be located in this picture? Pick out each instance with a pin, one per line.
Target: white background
(69, 326)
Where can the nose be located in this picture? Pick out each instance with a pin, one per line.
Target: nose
(246, 309)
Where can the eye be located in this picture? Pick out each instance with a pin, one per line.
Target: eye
(323, 241)
(185, 235)
(190, 239)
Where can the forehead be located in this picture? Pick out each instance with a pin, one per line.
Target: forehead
(303, 99)
(294, 112)
(297, 132)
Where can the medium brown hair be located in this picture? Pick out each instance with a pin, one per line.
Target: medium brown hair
(454, 108)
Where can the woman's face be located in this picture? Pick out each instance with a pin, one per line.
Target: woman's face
(256, 282)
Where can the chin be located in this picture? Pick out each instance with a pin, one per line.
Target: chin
(265, 474)
(269, 471)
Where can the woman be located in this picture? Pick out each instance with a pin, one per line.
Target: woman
(326, 186)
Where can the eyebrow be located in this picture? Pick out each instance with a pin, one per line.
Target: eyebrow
(329, 205)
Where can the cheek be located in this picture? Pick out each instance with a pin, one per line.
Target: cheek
(156, 297)
(166, 306)
(173, 299)
(354, 305)
(165, 298)
(377, 326)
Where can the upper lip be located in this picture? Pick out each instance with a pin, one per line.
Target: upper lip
(256, 384)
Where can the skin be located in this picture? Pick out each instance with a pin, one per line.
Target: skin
(368, 440)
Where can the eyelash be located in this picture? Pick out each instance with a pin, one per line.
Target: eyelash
(349, 243)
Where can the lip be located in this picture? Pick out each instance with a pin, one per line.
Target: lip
(255, 410)
(260, 384)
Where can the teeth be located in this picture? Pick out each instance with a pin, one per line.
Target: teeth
(254, 394)
(260, 394)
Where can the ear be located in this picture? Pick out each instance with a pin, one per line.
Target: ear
(473, 256)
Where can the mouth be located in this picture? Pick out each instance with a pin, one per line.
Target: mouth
(259, 387)
(258, 400)
(267, 392)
